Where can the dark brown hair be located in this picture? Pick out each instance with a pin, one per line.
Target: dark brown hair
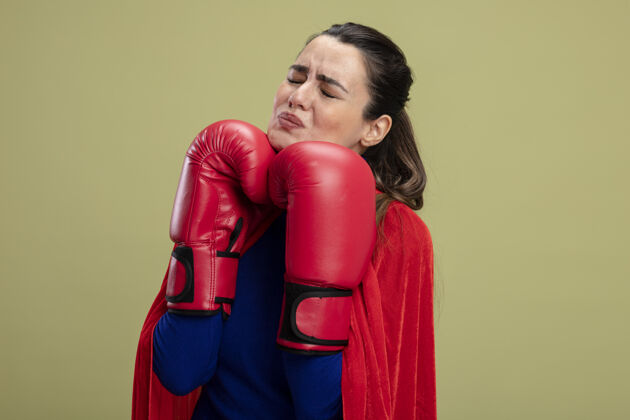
(395, 161)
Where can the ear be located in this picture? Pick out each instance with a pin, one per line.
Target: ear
(376, 130)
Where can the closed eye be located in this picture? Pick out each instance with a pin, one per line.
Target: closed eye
(297, 82)
(327, 94)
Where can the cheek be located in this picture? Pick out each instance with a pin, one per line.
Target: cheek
(282, 95)
(340, 125)
(278, 100)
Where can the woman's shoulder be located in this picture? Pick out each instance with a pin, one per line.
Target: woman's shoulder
(404, 238)
(402, 223)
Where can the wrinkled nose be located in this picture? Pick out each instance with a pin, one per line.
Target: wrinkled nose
(301, 97)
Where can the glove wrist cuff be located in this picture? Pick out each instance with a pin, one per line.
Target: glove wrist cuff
(201, 280)
(314, 319)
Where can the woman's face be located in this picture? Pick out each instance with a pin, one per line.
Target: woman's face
(322, 98)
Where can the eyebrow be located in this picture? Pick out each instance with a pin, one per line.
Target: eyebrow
(303, 69)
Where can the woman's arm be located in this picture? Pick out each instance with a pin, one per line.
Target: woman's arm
(185, 350)
(315, 383)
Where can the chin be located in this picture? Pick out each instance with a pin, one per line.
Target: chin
(279, 139)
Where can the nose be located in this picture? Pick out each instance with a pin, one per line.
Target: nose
(301, 97)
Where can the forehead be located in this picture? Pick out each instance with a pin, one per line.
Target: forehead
(343, 62)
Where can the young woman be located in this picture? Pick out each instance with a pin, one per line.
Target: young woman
(369, 347)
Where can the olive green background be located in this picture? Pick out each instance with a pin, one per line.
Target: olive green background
(521, 113)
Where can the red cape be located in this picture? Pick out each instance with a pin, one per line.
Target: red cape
(389, 363)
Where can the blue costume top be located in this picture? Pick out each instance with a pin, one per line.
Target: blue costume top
(244, 375)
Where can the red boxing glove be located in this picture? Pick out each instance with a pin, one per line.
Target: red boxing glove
(225, 167)
(329, 193)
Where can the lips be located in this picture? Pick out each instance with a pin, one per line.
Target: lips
(288, 120)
